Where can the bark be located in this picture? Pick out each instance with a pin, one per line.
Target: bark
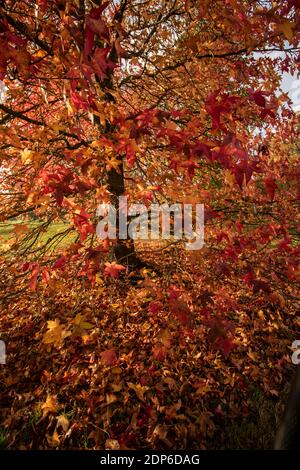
(124, 250)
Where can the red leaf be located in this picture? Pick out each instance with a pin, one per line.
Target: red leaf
(89, 41)
(3, 67)
(101, 63)
(108, 357)
(285, 244)
(89, 31)
(45, 276)
(113, 269)
(34, 277)
(60, 263)
(78, 101)
(99, 27)
(225, 344)
(271, 186)
(181, 310)
(159, 352)
(259, 285)
(154, 307)
(25, 267)
(258, 97)
(42, 4)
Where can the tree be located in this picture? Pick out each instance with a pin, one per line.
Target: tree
(168, 101)
(109, 98)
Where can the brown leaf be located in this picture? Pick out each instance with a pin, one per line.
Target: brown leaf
(139, 390)
(108, 357)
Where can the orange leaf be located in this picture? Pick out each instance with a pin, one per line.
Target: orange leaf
(113, 269)
(108, 357)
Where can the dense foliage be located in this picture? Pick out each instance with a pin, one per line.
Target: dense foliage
(116, 344)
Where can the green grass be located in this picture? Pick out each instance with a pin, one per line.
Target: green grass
(3, 439)
(36, 236)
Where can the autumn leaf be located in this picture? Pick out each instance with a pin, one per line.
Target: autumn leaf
(158, 102)
(159, 352)
(63, 422)
(181, 310)
(108, 357)
(42, 4)
(113, 269)
(27, 156)
(287, 28)
(113, 162)
(53, 440)
(20, 229)
(271, 186)
(260, 285)
(112, 444)
(99, 27)
(202, 388)
(111, 398)
(56, 333)
(154, 307)
(50, 405)
(34, 276)
(80, 321)
(140, 390)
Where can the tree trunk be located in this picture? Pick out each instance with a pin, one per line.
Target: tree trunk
(124, 250)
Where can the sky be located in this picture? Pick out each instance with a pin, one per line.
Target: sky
(291, 85)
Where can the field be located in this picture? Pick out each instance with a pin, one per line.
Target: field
(9, 233)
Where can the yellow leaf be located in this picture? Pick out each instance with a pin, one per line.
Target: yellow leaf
(111, 398)
(56, 333)
(63, 422)
(99, 281)
(116, 387)
(116, 370)
(112, 444)
(26, 156)
(81, 324)
(86, 325)
(229, 178)
(53, 440)
(113, 162)
(261, 315)
(139, 390)
(57, 127)
(50, 405)
(70, 109)
(78, 319)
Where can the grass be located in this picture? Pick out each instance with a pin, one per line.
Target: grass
(258, 430)
(9, 233)
(3, 439)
